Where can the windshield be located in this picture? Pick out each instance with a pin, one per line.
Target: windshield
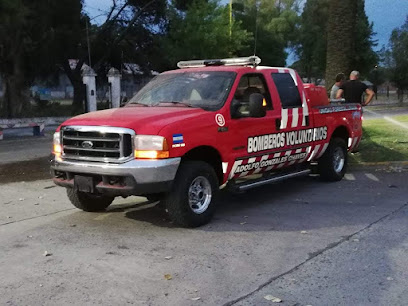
(207, 90)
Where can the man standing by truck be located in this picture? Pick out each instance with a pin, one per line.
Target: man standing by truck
(354, 89)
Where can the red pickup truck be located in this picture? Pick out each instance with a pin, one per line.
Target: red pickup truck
(213, 123)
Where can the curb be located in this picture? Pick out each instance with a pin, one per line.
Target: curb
(389, 164)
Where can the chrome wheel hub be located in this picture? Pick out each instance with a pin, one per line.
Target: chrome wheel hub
(338, 159)
(199, 194)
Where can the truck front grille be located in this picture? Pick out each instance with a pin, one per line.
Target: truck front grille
(107, 144)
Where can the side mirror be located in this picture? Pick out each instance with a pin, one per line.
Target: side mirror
(256, 108)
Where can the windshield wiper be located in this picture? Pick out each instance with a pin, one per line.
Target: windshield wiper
(138, 103)
(174, 102)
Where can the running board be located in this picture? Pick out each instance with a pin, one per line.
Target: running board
(263, 181)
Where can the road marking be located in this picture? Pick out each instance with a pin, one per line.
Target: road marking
(349, 177)
(102, 217)
(372, 177)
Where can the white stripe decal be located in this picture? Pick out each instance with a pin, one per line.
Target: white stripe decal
(224, 167)
(308, 149)
(280, 70)
(295, 117)
(305, 109)
(315, 150)
(265, 157)
(250, 161)
(282, 164)
(284, 121)
(354, 142)
(234, 168)
(276, 155)
(323, 150)
(294, 161)
(293, 75)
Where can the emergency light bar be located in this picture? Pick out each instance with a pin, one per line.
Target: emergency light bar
(238, 61)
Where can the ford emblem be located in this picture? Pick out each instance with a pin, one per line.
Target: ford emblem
(87, 144)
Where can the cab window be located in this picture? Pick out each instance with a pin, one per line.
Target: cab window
(252, 83)
(287, 89)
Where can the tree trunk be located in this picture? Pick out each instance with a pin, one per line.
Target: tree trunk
(75, 77)
(340, 38)
(16, 90)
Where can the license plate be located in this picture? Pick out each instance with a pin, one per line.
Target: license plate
(84, 183)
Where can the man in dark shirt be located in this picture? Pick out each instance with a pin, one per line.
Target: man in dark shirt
(354, 89)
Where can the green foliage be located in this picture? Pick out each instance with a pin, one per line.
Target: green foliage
(312, 42)
(202, 31)
(398, 56)
(273, 23)
(364, 58)
(312, 36)
(382, 141)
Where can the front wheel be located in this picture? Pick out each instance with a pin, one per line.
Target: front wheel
(333, 164)
(87, 201)
(192, 201)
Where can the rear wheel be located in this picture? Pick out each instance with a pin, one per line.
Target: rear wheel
(333, 164)
(192, 201)
(87, 201)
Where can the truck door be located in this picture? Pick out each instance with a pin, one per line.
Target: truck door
(251, 140)
(294, 120)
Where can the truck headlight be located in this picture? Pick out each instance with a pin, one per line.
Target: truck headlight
(150, 147)
(57, 148)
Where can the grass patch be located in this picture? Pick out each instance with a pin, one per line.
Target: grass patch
(401, 118)
(382, 141)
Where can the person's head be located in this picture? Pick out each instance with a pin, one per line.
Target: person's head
(340, 77)
(354, 75)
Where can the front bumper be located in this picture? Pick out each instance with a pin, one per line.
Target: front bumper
(135, 177)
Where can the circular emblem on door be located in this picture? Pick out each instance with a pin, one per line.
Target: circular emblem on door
(220, 119)
(87, 144)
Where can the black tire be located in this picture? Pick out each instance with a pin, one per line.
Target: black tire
(88, 202)
(194, 178)
(333, 164)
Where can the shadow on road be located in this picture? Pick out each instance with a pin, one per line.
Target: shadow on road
(29, 170)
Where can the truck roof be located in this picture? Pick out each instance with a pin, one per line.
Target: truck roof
(237, 69)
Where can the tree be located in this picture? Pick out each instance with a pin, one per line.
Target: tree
(312, 37)
(34, 35)
(13, 14)
(272, 24)
(351, 46)
(397, 58)
(202, 31)
(364, 57)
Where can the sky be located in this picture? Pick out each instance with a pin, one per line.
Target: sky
(385, 14)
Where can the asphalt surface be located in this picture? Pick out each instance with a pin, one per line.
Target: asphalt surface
(24, 148)
(304, 241)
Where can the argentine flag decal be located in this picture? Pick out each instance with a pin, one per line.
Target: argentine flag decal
(178, 138)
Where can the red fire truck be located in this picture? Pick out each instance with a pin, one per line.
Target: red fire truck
(213, 123)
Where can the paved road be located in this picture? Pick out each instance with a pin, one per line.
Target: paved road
(304, 241)
(24, 148)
